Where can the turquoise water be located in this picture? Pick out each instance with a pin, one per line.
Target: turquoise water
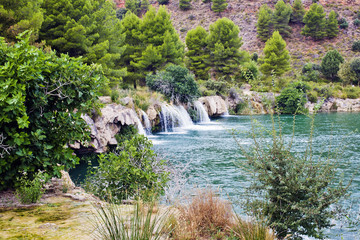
(212, 153)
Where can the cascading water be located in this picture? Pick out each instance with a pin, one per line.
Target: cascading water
(174, 116)
(146, 121)
(201, 112)
(139, 125)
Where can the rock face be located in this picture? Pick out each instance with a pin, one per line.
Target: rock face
(214, 105)
(106, 126)
(336, 105)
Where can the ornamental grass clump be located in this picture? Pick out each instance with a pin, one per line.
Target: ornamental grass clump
(113, 222)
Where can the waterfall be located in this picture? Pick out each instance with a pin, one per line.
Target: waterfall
(174, 116)
(146, 121)
(201, 112)
(139, 125)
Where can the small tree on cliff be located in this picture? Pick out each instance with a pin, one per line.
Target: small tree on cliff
(219, 6)
(315, 24)
(298, 12)
(264, 23)
(276, 58)
(330, 64)
(332, 25)
(281, 18)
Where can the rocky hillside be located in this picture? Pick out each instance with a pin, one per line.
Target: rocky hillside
(243, 13)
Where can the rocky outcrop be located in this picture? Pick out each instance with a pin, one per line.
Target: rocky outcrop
(105, 126)
(336, 105)
(214, 105)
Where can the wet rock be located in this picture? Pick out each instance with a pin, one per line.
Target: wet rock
(214, 105)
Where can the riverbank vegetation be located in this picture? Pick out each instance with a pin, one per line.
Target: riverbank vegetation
(58, 57)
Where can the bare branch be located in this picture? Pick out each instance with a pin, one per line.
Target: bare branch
(5, 149)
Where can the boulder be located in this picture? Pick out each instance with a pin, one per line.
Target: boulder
(214, 105)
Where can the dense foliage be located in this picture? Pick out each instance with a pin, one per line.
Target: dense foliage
(39, 93)
(175, 82)
(281, 18)
(297, 189)
(87, 28)
(292, 99)
(315, 23)
(264, 23)
(133, 170)
(298, 12)
(219, 6)
(20, 15)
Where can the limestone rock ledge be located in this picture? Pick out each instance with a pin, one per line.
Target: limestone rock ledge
(336, 105)
(214, 105)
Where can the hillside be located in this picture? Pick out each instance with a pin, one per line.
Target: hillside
(243, 13)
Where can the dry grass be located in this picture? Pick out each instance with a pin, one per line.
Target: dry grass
(206, 215)
(246, 230)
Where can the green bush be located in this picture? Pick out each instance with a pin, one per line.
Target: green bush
(39, 93)
(293, 191)
(249, 71)
(310, 72)
(30, 191)
(343, 24)
(357, 22)
(292, 99)
(175, 82)
(241, 106)
(312, 96)
(133, 170)
(218, 87)
(352, 92)
(163, 2)
(356, 46)
(121, 12)
(114, 95)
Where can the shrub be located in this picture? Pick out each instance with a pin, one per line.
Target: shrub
(293, 191)
(343, 24)
(114, 95)
(352, 92)
(39, 93)
(292, 99)
(175, 82)
(133, 170)
(357, 22)
(184, 4)
(30, 191)
(219, 87)
(121, 12)
(312, 96)
(255, 57)
(356, 46)
(249, 71)
(163, 2)
(330, 64)
(310, 72)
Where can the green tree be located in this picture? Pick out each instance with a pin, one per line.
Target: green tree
(219, 6)
(197, 56)
(330, 64)
(130, 27)
(224, 43)
(145, 6)
(18, 16)
(276, 58)
(332, 28)
(292, 99)
(281, 18)
(175, 82)
(184, 4)
(294, 191)
(162, 42)
(315, 23)
(133, 6)
(347, 74)
(87, 28)
(40, 93)
(355, 67)
(264, 24)
(298, 12)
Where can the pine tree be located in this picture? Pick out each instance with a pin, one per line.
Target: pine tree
(197, 55)
(87, 28)
(332, 28)
(315, 22)
(219, 6)
(264, 23)
(130, 27)
(18, 16)
(224, 44)
(330, 64)
(298, 12)
(281, 18)
(145, 6)
(161, 41)
(276, 58)
(133, 6)
(184, 4)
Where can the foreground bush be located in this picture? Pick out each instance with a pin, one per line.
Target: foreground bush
(292, 99)
(30, 191)
(39, 93)
(293, 192)
(133, 170)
